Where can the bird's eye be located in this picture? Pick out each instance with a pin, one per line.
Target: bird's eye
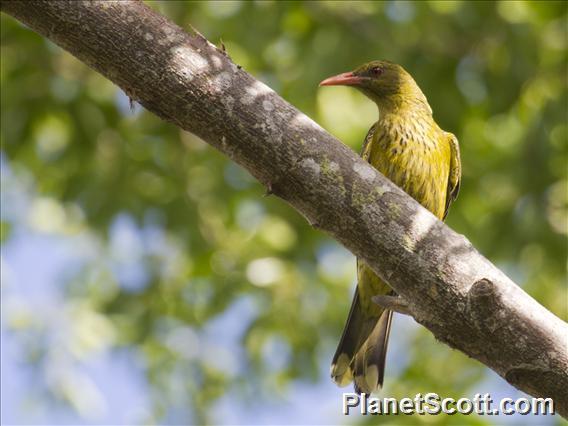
(376, 71)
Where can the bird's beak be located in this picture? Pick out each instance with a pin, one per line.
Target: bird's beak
(345, 79)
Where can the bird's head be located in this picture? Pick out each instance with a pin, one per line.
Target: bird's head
(381, 81)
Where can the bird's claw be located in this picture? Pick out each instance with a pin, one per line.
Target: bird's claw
(394, 303)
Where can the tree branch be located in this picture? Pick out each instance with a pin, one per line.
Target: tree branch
(450, 288)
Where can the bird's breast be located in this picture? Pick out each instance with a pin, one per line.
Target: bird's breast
(413, 155)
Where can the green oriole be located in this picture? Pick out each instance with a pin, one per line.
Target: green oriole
(407, 146)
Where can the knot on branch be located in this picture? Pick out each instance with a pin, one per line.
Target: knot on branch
(483, 305)
(482, 289)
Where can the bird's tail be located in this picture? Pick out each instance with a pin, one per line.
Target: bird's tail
(361, 353)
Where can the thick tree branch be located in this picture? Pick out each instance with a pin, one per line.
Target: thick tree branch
(450, 288)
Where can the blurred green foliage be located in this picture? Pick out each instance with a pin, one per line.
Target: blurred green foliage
(205, 239)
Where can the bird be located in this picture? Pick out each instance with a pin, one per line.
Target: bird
(409, 148)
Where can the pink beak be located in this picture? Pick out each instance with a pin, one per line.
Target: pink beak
(345, 79)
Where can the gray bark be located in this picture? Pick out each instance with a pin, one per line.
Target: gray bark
(447, 286)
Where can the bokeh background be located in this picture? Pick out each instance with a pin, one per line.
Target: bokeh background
(145, 278)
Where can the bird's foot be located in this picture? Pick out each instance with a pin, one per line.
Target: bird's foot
(394, 303)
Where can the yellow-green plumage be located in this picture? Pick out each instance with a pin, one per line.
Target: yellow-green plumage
(408, 147)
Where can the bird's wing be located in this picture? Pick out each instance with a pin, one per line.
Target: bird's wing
(366, 149)
(454, 177)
